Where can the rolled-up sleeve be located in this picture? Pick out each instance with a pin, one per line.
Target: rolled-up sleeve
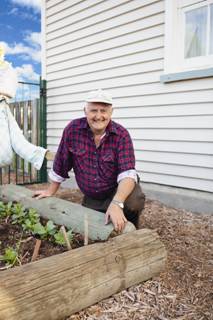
(126, 156)
(63, 159)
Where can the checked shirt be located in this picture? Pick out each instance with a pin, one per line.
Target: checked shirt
(96, 168)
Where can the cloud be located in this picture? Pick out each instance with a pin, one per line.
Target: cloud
(33, 38)
(31, 4)
(27, 73)
(18, 12)
(27, 92)
(25, 52)
(5, 26)
(13, 11)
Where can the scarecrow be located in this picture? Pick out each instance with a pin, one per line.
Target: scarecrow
(11, 136)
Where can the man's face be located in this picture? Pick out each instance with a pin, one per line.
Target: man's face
(98, 116)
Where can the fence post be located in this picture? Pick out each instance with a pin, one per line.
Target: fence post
(43, 126)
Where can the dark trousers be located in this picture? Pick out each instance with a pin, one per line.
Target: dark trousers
(133, 205)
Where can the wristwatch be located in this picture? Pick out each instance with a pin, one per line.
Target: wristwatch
(120, 204)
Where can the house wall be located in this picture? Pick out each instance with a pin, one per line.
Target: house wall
(118, 45)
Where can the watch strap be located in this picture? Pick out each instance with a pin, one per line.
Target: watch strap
(119, 203)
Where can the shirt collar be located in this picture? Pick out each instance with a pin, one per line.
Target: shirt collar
(111, 128)
(83, 123)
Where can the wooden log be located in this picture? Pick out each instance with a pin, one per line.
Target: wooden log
(63, 212)
(56, 287)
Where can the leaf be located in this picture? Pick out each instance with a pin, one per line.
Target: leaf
(50, 228)
(59, 238)
(9, 205)
(5, 209)
(33, 215)
(9, 256)
(70, 235)
(28, 225)
(39, 229)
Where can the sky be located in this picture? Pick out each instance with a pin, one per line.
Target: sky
(20, 34)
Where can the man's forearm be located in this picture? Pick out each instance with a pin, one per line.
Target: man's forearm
(49, 192)
(125, 187)
(53, 187)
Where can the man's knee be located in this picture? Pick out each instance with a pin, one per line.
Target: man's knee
(136, 200)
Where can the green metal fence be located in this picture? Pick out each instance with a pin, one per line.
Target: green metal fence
(29, 110)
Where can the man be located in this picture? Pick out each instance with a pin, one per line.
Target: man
(100, 151)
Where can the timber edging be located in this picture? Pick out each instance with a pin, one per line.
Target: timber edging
(63, 212)
(58, 286)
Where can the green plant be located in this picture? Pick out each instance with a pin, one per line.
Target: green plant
(50, 228)
(59, 238)
(39, 230)
(30, 222)
(5, 209)
(10, 256)
(18, 214)
(31, 219)
(2, 208)
(44, 231)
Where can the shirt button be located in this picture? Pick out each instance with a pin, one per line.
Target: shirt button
(95, 152)
(94, 166)
(95, 179)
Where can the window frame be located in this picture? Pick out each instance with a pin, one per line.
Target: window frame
(174, 61)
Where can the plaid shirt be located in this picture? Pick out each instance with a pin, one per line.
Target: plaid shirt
(96, 169)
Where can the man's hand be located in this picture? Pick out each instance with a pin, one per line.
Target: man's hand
(49, 192)
(115, 213)
(39, 194)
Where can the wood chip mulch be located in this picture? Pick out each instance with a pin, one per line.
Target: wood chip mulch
(184, 290)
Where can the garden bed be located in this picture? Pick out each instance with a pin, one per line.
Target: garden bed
(20, 230)
(47, 288)
(183, 291)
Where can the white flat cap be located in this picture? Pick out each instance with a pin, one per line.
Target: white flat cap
(99, 96)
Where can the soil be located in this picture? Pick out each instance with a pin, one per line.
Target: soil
(13, 234)
(10, 235)
(184, 290)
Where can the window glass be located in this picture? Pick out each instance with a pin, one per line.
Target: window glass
(211, 28)
(195, 32)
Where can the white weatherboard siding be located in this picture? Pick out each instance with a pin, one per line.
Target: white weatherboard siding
(119, 45)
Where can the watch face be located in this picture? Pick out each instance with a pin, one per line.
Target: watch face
(120, 204)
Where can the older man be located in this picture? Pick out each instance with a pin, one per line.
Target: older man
(100, 151)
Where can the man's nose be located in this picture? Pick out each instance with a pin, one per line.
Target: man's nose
(98, 115)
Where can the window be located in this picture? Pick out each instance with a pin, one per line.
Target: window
(188, 35)
(195, 28)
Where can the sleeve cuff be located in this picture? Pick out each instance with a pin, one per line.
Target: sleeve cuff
(128, 174)
(55, 177)
(38, 157)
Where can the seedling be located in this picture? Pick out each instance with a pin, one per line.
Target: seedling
(5, 209)
(30, 222)
(59, 237)
(10, 256)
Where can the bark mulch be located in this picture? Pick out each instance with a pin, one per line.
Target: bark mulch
(184, 290)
